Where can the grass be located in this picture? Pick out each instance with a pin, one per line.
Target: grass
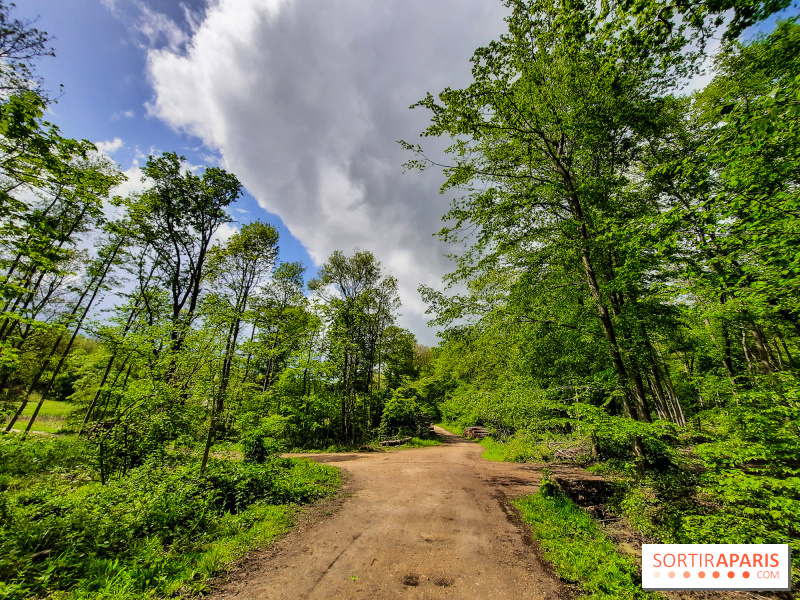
(51, 418)
(494, 450)
(451, 426)
(421, 443)
(516, 449)
(579, 551)
(189, 573)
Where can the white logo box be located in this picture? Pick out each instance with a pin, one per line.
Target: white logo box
(688, 567)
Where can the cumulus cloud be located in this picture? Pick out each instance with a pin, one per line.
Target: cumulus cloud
(109, 147)
(305, 100)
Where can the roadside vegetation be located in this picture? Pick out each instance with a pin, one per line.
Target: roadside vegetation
(578, 549)
(161, 530)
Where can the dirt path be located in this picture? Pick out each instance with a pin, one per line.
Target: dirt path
(423, 523)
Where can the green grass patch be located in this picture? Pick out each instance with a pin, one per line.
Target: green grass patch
(452, 427)
(518, 448)
(421, 443)
(52, 417)
(580, 552)
(494, 450)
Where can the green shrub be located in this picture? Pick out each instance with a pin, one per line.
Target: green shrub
(257, 447)
(24, 456)
(579, 551)
(139, 532)
(399, 416)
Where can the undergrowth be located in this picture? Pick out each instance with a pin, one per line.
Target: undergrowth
(517, 448)
(162, 530)
(579, 551)
(451, 426)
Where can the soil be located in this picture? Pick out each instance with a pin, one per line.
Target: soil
(432, 522)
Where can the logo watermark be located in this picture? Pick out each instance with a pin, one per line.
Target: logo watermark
(685, 567)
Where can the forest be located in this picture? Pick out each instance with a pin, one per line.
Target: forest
(625, 296)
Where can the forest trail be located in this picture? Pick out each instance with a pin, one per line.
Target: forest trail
(430, 522)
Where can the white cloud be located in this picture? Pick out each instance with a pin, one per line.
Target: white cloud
(304, 102)
(133, 184)
(160, 30)
(110, 147)
(223, 234)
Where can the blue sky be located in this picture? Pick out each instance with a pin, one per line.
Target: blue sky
(101, 64)
(302, 99)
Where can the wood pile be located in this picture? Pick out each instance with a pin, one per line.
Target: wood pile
(423, 425)
(476, 432)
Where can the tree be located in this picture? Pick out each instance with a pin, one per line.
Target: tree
(280, 318)
(238, 268)
(97, 275)
(726, 183)
(177, 218)
(51, 194)
(398, 356)
(547, 133)
(359, 305)
(20, 45)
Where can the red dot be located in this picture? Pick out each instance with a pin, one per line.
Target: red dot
(701, 574)
(715, 574)
(686, 574)
(746, 574)
(731, 574)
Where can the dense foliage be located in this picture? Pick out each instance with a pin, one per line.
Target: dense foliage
(160, 529)
(630, 271)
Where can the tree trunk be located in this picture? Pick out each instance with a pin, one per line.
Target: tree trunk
(762, 349)
(78, 326)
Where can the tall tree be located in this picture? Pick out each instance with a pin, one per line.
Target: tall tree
(549, 129)
(238, 268)
(360, 303)
(177, 217)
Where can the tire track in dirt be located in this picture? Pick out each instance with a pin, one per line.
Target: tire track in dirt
(423, 523)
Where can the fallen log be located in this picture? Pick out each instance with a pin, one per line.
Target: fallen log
(395, 442)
